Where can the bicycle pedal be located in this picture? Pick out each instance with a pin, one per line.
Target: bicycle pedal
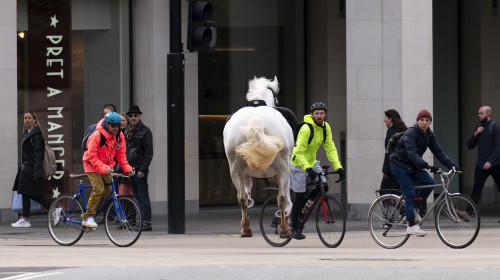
(420, 235)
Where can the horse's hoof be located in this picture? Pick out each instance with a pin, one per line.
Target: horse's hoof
(285, 236)
(246, 233)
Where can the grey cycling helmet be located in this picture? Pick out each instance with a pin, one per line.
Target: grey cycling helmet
(318, 106)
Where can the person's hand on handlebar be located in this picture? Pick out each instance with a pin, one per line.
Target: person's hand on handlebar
(456, 168)
(131, 173)
(110, 170)
(432, 168)
(341, 173)
(311, 173)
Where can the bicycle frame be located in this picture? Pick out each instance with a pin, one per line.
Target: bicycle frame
(444, 184)
(319, 199)
(81, 193)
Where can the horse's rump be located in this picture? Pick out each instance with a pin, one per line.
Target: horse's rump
(261, 149)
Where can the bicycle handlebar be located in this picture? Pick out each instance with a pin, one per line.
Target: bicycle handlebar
(453, 170)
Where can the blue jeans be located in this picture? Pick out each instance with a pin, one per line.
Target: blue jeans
(141, 194)
(405, 178)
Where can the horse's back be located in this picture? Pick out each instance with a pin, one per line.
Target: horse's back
(274, 124)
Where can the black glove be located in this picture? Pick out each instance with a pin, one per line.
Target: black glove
(341, 172)
(311, 173)
(433, 169)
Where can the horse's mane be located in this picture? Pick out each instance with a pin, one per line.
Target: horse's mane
(262, 89)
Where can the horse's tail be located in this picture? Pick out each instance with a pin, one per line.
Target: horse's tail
(260, 150)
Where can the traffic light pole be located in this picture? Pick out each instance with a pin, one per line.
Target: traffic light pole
(175, 125)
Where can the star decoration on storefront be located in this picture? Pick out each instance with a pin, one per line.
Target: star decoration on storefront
(56, 193)
(53, 21)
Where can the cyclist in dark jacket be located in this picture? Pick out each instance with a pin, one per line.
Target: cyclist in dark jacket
(407, 165)
(139, 141)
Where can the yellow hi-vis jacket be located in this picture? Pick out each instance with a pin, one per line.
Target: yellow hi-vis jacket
(304, 155)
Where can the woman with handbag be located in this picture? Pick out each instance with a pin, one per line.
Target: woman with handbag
(29, 178)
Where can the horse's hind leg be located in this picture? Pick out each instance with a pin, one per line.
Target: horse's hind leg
(240, 184)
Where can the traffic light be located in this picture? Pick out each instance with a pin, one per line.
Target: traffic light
(202, 33)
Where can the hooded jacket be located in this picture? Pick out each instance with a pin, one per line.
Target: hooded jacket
(304, 155)
(100, 159)
(412, 146)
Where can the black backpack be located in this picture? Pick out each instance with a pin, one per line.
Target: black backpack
(311, 136)
(393, 142)
(89, 132)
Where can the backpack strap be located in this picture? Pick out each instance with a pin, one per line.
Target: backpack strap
(102, 142)
(311, 136)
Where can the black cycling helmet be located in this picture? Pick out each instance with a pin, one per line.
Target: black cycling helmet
(318, 106)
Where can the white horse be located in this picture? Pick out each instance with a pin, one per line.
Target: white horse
(258, 142)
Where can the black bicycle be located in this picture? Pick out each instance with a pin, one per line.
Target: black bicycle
(330, 216)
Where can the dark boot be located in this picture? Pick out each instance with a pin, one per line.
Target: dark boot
(298, 204)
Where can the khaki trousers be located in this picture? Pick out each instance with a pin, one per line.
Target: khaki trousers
(101, 188)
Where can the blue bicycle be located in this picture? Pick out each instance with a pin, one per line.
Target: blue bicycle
(122, 216)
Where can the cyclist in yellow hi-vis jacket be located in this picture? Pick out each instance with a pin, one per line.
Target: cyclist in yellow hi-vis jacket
(304, 166)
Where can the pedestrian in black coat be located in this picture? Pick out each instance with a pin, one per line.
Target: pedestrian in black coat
(29, 178)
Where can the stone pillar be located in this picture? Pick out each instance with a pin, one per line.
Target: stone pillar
(389, 65)
(151, 45)
(8, 104)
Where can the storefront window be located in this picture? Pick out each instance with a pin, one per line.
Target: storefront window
(255, 38)
(73, 57)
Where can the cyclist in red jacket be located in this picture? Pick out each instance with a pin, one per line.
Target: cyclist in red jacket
(99, 160)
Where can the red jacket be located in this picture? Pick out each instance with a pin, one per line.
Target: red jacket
(100, 159)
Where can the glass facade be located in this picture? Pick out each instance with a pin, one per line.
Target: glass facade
(73, 57)
(255, 38)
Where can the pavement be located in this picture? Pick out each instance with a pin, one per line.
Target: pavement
(222, 221)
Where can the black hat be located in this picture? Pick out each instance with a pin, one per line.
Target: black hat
(134, 109)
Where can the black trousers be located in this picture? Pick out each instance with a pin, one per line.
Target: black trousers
(27, 204)
(480, 176)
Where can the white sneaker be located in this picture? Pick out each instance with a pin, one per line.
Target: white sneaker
(56, 215)
(89, 222)
(415, 230)
(21, 223)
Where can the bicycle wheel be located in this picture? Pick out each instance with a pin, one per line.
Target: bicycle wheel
(457, 233)
(330, 221)
(386, 221)
(68, 229)
(123, 224)
(269, 222)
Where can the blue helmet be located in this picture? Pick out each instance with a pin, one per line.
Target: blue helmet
(112, 117)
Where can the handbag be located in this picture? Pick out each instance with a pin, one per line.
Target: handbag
(17, 203)
(125, 189)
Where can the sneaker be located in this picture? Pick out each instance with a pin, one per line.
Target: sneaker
(415, 230)
(297, 234)
(463, 215)
(89, 222)
(56, 215)
(146, 226)
(22, 223)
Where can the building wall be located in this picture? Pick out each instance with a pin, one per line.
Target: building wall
(8, 105)
(151, 45)
(389, 65)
